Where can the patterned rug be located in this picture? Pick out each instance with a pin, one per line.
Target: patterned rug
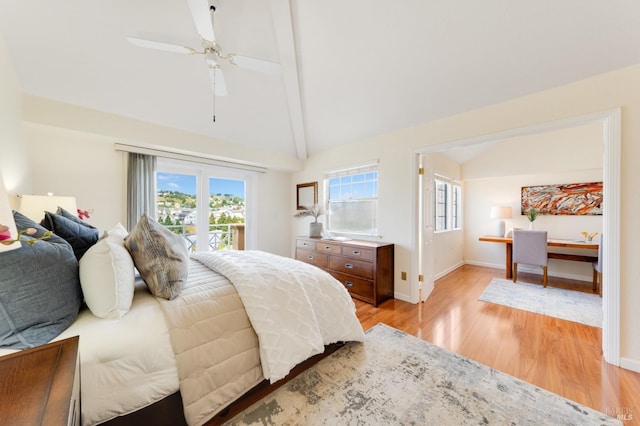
(575, 306)
(394, 378)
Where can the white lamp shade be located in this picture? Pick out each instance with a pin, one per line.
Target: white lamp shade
(34, 206)
(6, 219)
(501, 212)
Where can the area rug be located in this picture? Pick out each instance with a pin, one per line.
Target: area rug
(569, 305)
(394, 378)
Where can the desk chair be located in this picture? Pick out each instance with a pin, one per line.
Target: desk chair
(597, 271)
(530, 248)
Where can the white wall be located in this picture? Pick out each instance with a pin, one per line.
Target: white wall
(72, 163)
(14, 163)
(496, 176)
(274, 205)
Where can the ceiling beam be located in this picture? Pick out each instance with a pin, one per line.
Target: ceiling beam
(283, 28)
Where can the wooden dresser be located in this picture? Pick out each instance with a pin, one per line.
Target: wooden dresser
(41, 386)
(365, 268)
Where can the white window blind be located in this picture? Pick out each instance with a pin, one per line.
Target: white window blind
(352, 200)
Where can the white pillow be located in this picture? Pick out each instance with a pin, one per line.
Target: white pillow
(107, 275)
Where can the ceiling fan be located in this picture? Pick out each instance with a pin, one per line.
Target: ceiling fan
(202, 13)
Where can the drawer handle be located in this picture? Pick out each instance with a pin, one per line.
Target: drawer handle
(356, 252)
(328, 248)
(348, 266)
(310, 257)
(348, 284)
(305, 244)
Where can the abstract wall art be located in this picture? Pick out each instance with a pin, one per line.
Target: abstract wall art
(563, 199)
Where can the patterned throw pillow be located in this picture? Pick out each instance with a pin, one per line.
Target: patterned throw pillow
(160, 256)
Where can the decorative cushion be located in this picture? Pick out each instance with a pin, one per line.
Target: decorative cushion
(79, 234)
(107, 275)
(160, 256)
(40, 293)
(62, 212)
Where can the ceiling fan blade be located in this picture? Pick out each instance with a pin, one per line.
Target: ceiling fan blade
(217, 81)
(202, 18)
(159, 45)
(258, 65)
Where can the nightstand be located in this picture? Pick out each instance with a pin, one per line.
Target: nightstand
(41, 385)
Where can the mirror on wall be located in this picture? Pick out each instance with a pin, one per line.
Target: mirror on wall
(306, 195)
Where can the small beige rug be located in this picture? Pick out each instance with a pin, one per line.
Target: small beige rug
(394, 378)
(575, 306)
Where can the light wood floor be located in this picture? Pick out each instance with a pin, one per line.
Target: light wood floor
(560, 356)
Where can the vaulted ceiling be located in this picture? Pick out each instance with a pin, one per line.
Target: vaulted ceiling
(351, 69)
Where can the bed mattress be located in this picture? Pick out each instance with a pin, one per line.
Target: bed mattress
(125, 364)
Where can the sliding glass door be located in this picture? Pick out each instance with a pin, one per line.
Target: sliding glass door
(205, 204)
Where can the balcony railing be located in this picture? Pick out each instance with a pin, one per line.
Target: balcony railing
(221, 237)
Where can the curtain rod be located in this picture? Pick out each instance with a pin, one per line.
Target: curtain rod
(193, 157)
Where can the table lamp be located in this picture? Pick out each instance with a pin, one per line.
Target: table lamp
(501, 213)
(34, 206)
(8, 229)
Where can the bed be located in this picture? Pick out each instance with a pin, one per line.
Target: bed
(239, 321)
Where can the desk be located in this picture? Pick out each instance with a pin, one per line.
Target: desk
(508, 242)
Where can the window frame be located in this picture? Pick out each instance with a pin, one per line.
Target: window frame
(358, 170)
(205, 171)
(448, 209)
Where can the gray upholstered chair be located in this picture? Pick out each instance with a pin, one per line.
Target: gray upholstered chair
(530, 248)
(597, 271)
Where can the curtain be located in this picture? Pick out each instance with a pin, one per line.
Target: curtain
(141, 187)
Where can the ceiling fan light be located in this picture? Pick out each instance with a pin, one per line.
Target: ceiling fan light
(212, 59)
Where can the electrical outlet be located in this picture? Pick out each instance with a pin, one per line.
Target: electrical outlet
(403, 275)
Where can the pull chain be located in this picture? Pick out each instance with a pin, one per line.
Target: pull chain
(214, 94)
(212, 9)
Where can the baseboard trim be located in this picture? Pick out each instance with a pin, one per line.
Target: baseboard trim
(402, 297)
(448, 270)
(630, 364)
(533, 270)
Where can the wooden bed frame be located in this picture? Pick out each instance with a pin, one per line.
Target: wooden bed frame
(169, 411)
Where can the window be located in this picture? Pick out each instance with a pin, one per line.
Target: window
(352, 200)
(441, 205)
(187, 189)
(456, 207)
(447, 208)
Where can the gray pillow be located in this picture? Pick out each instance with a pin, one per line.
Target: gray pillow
(160, 256)
(80, 235)
(40, 293)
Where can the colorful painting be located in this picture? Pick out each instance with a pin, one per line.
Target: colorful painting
(565, 199)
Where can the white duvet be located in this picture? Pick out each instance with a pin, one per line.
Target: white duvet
(294, 308)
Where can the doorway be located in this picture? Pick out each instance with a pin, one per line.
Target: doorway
(611, 136)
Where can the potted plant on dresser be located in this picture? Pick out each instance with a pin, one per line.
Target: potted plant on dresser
(315, 211)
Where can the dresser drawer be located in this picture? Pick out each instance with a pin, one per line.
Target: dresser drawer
(351, 266)
(365, 268)
(356, 286)
(359, 253)
(328, 247)
(310, 245)
(320, 260)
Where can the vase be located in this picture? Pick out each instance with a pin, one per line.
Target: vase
(531, 227)
(315, 229)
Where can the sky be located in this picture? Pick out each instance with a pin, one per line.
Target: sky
(187, 184)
